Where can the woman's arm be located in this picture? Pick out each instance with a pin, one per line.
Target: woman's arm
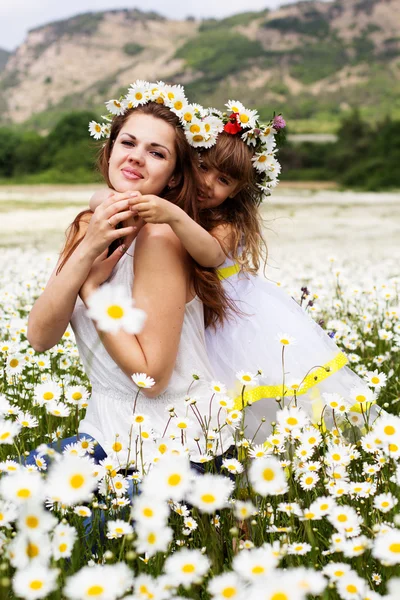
(203, 247)
(52, 311)
(160, 289)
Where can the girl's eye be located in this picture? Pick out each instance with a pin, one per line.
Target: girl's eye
(158, 154)
(203, 167)
(224, 181)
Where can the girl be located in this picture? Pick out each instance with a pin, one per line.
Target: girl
(268, 350)
(148, 152)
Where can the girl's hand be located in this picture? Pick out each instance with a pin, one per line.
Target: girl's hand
(101, 231)
(152, 209)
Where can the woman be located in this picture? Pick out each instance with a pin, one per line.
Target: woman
(147, 151)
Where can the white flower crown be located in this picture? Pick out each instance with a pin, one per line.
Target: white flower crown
(202, 126)
(201, 129)
(261, 136)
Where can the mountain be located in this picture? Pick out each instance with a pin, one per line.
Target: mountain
(311, 60)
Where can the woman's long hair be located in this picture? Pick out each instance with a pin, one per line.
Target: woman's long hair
(232, 156)
(205, 281)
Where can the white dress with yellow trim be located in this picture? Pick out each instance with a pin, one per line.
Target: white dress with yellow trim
(299, 371)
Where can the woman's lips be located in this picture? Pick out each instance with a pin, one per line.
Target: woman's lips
(131, 174)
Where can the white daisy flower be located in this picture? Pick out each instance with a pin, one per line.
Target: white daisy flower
(247, 378)
(142, 380)
(226, 585)
(285, 339)
(95, 130)
(73, 479)
(187, 567)
(375, 378)
(217, 387)
(149, 511)
(153, 539)
(9, 431)
(362, 395)
(210, 492)
(267, 477)
(45, 392)
(117, 529)
(115, 107)
(82, 511)
(99, 581)
(21, 487)
(34, 582)
(113, 309)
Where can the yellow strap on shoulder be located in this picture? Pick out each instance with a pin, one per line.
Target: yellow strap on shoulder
(226, 272)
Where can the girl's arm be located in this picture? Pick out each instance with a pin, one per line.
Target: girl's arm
(98, 197)
(206, 249)
(160, 289)
(53, 309)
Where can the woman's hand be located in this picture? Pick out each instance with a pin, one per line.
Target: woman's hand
(101, 231)
(103, 265)
(152, 209)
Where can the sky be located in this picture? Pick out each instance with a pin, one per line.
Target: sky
(18, 16)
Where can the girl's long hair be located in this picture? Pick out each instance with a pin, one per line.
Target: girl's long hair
(232, 156)
(205, 281)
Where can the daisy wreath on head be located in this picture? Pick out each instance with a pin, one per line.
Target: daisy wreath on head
(242, 121)
(201, 127)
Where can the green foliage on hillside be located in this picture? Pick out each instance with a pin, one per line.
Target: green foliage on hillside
(314, 24)
(234, 21)
(132, 49)
(219, 53)
(316, 61)
(86, 23)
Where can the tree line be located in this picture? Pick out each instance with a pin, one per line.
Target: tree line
(366, 155)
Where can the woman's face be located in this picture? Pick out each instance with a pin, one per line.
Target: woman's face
(216, 188)
(143, 157)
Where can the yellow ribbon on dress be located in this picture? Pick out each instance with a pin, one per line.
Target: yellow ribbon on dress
(312, 379)
(226, 272)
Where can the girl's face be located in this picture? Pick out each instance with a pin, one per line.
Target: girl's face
(217, 187)
(143, 157)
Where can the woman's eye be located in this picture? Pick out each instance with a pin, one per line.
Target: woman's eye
(158, 154)
(127, 143)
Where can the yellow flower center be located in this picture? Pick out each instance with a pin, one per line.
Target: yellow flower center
(246, 378)
(5, 435)
(309, 480)
(336, 456)
(139, 419)
(138, 95)
(375, 379)
(24, 493)
(339, 573)
(76, 396)
(162, 448)
(342, 518)
(268, 474)
(198, 138)
(188, 568)
(174, 479)
(48, 396)
(95, 590)
(228, 592)
(115, 312)
(389, 430)
(395, 548)
(292, 421)
(63, 547)
(31, 550)
(280, 596)
(284, 341)
(178, 105)
(148, 512)
(36, 584)
(32, 522)
(244, 118)
(257, 570)
(151, 538)
(117, 446)
(208, 498)
(188, 116)
(351, 588)
(360, 398)
(77, 481)
(14, 362)
(393, 447)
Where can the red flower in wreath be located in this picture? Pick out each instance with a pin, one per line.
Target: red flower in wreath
(232, 125)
